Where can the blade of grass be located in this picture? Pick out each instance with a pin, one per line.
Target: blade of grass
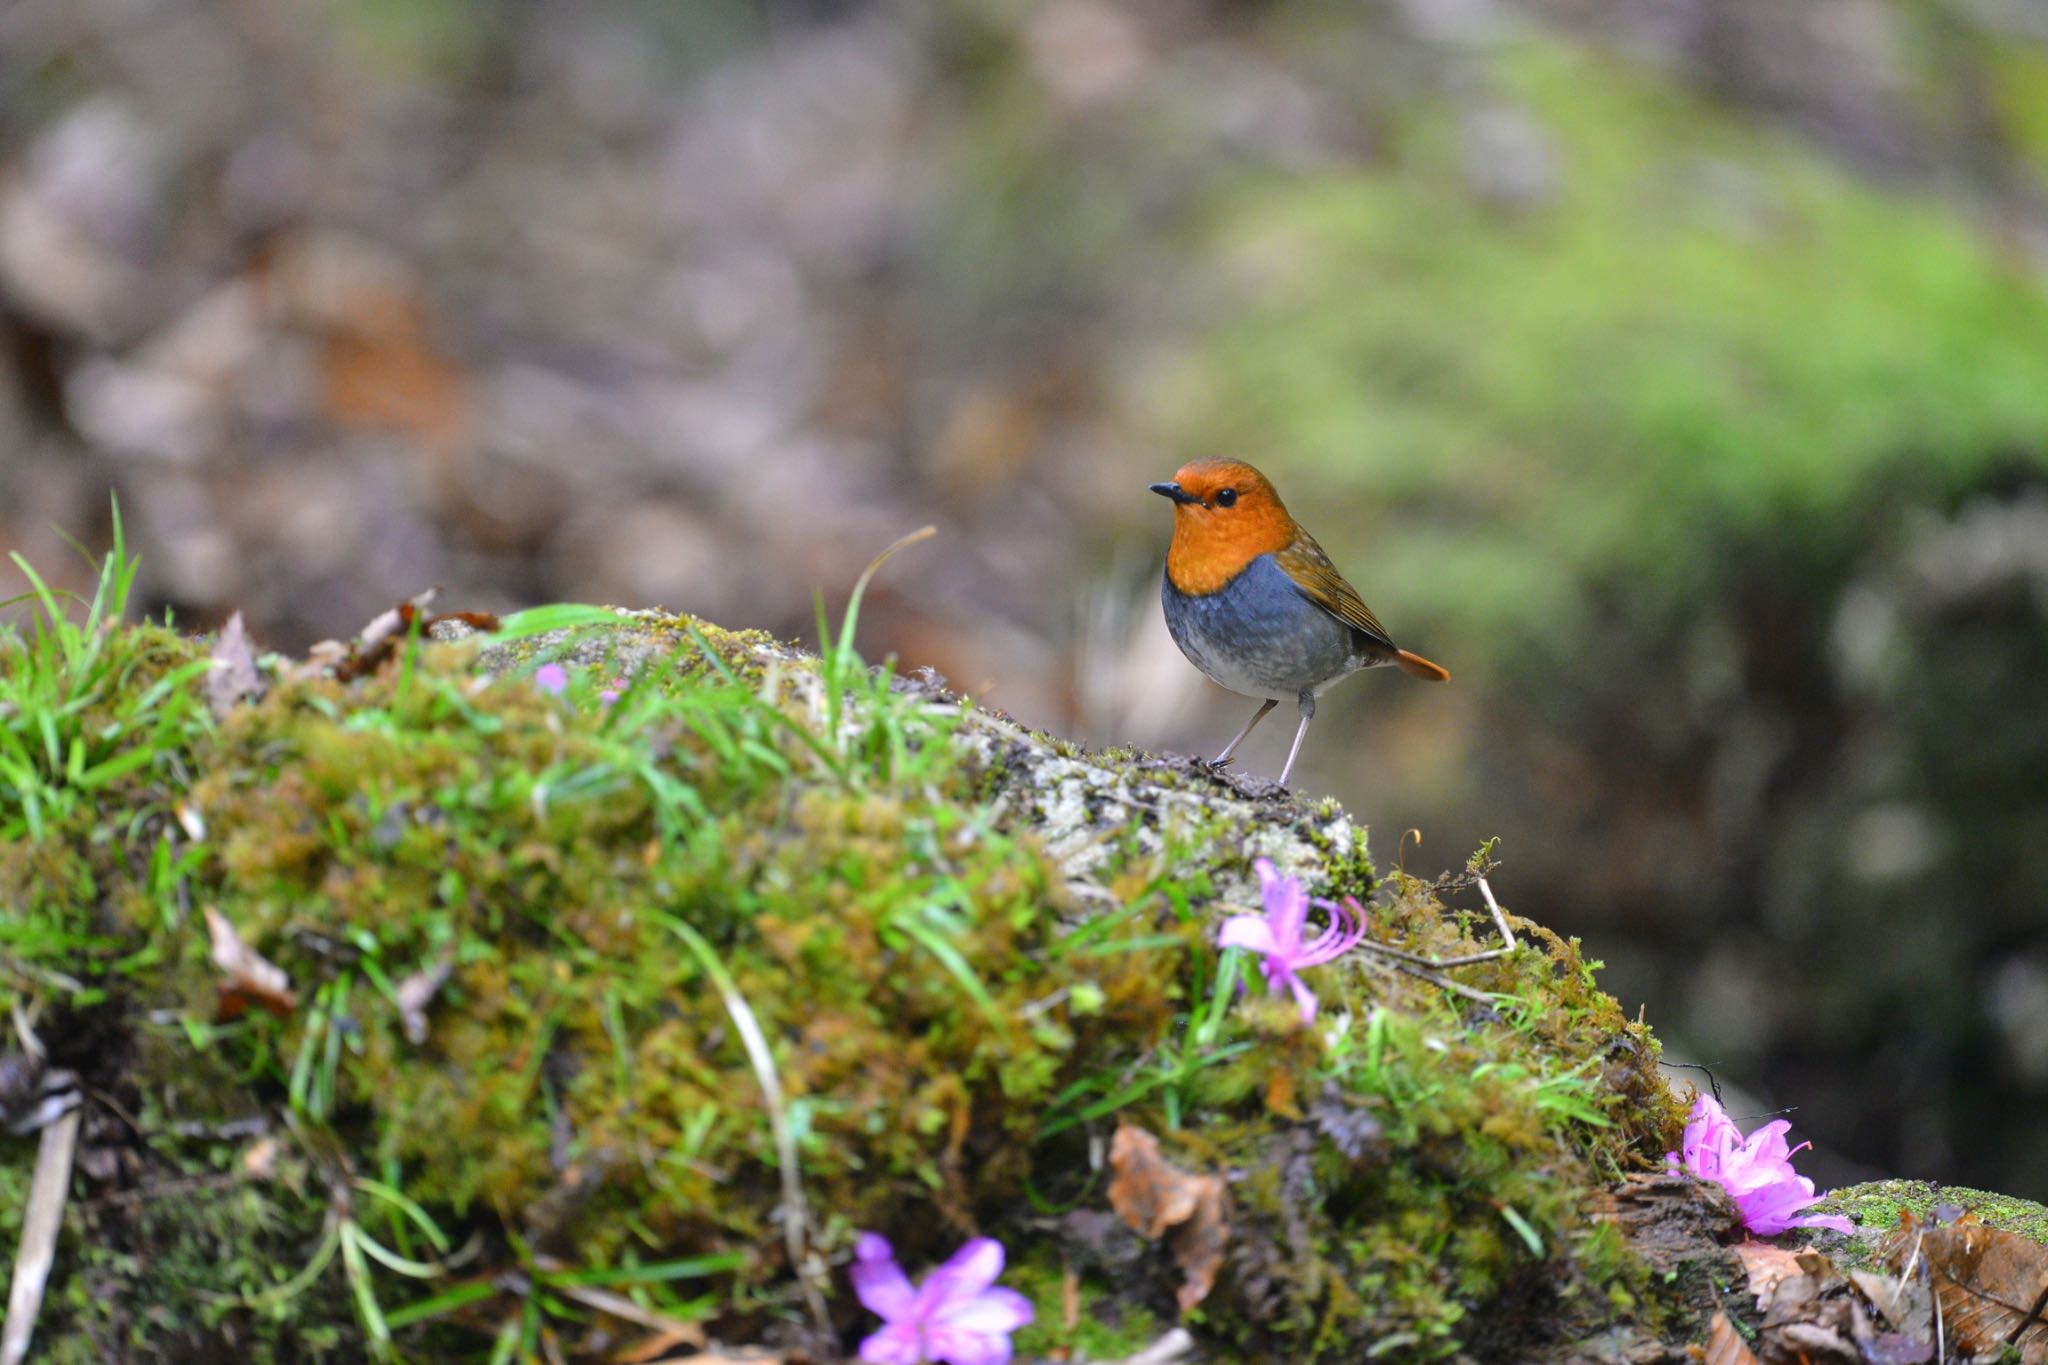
(658, 1272)
(556, 616)
(957, 966)
(422, 1309)
(796, 1215)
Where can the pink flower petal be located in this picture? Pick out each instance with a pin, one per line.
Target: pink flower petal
(1756, 1171)
(963, 1275)
(1286, 904)
(879, 1282)
(1303, 997)
(1340, 937)
(1247, 931)
(955, 1347)
(900, 1343)
(992, 1310)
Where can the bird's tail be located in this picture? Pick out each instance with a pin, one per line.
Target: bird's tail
(1415, 666)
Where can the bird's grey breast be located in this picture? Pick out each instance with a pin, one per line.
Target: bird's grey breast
(1258, 634)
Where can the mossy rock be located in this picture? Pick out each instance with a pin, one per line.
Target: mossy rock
(1874, 1207)
(531, 935)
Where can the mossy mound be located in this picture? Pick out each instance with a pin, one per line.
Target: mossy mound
(1875, 1207)
(540, 945)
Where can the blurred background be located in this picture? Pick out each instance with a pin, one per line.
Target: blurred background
(1675, 371)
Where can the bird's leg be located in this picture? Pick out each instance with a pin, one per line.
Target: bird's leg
(1257, 716)
(1308, 713)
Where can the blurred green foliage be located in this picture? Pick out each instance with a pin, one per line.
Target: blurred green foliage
(1705, 337)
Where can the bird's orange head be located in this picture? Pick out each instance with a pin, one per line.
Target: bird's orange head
(1225, 515)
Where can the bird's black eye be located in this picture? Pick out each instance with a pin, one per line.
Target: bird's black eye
(1226, 497)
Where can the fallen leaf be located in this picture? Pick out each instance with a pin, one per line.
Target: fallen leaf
(380, 638)
(1902, 1303)
(250, 977)
(1725, 1345)
(1813, 1344)
(387, 630)
(1992, 1286)
(233, 679)
(259, 1161)
(471, 620)
(1280, 1095)
(1156, 1199)
(1893, 1348)
(396, 382)
(1767, 1267)
(415, 993)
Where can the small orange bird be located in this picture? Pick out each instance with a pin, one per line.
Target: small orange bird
(1254, 602)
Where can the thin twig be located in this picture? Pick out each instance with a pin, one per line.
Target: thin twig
(1940, 1336)
(1500, 916)
(1429, 968)
(165, 1190)
(1477, 997)
(39, 1227)
(1391, 960)
(1437, 962)
(113, 1107)
(1165, 1351)
(25, 1030)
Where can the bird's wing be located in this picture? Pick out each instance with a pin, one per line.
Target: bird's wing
(1321, 584)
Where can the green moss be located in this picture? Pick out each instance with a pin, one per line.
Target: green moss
(1106, 1324)
(953, 1011)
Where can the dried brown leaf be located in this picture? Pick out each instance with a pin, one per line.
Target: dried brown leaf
(1767, 1267)
(233, 679)
(474, 620)
(1812, 1343)
(1155, 1199)
(1725, 1345)
(1992, 1286)
(415, 993)
(380, 639)
(259, 1159)
(249, 977)
(1902, 1303)
(394, 380)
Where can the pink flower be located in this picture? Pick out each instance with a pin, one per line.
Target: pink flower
(1756, 1172)
(1277, 934)
(954, 1316)
(552, 679)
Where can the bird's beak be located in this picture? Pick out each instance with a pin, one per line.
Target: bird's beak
(1174, 491)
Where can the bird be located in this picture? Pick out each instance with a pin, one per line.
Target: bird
(1256, 604)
